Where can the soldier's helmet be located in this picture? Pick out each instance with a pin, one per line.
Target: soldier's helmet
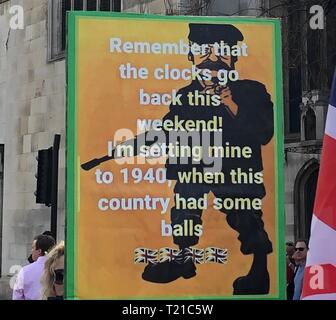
(208, 33)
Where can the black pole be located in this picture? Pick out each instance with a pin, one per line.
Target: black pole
(54, 185)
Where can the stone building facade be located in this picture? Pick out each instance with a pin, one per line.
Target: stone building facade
(33, 108)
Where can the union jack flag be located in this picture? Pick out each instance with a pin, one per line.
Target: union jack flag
(168, 254)
(145, 255)
(215, 255)
(321, 257)
(194, 254)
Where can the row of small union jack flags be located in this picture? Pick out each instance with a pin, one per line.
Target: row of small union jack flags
(207, 255)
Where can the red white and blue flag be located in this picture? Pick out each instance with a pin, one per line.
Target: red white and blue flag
(168, 254)
(145, 255)
(320, 272)
(215, 255)
(195, 255)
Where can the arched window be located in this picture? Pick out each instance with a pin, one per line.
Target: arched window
(310, 125)
(304, 196)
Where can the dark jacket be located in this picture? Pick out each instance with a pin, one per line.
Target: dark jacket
(252, 126)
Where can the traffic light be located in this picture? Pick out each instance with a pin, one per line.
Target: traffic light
(44, 176)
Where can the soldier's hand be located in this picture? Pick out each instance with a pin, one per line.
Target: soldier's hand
(226, 98)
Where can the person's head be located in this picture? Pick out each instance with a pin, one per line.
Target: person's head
(204, 36)
(301, 249)
(290, 249)
(48, 233)
(53, 274)
(35, 253)
(41, 246)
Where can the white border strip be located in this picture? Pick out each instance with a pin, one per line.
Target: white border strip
(321, 244)
(330, 129)
(324, 296)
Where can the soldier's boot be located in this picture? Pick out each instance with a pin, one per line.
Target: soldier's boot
(256, 281)
(168, 271)
(254, 240)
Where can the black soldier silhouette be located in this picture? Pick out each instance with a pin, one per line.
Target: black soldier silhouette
(247, 116)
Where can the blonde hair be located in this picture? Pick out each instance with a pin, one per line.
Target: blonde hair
(48, 276)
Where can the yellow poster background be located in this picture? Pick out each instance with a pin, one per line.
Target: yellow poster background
(106, 240)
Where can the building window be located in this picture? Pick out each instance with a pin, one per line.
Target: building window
(294, 48)
(310, 125)
(331, 41)
(1, 197)
(316, 60)
(304, 195)
(57, 20)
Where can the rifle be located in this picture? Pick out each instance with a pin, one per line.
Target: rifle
(133, 142)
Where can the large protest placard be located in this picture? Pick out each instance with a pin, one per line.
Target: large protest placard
(174, 157)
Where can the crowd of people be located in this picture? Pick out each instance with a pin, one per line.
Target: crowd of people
(42, 278)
